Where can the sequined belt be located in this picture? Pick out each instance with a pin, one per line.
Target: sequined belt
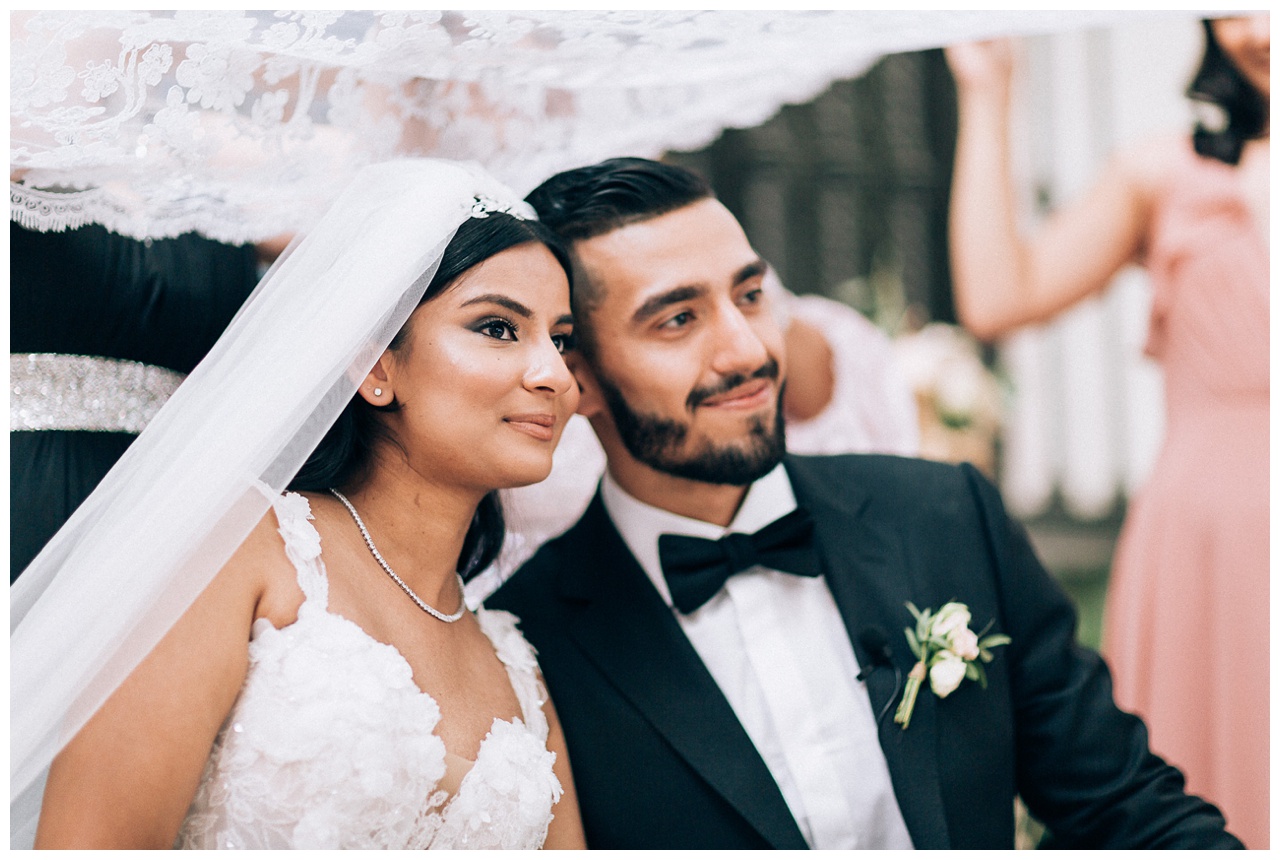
(48, 391)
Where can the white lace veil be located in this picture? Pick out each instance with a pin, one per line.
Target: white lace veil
(173, 510)
(242, 124)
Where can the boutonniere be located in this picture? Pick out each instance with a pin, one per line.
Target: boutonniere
(947, 651)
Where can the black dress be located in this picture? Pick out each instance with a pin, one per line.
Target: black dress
(162, 302)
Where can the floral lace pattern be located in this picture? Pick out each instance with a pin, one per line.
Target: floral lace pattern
(244, 125)
(332, 745)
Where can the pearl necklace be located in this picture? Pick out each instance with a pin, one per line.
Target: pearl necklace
(422, 604)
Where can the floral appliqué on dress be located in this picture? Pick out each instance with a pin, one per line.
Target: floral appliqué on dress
(332, 745)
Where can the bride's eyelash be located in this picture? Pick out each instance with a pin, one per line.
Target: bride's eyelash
(485, 325)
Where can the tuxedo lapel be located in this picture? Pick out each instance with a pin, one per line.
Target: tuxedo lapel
(870, 582)
(630, 635)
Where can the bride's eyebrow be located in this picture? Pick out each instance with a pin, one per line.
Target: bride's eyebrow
(496, 298)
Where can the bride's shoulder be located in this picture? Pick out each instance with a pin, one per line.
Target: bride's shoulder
(497, 623)
(288, 522)
(267, 560)
(503, 631)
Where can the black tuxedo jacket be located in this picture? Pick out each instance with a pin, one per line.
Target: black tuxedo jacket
(660, 761)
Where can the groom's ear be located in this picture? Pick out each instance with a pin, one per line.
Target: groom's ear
(590, 402)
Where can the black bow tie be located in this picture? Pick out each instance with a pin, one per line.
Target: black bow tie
(696, 568)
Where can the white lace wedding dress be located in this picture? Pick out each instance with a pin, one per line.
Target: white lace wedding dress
(331, 744)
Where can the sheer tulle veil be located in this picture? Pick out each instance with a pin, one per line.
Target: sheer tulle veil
(177, 505)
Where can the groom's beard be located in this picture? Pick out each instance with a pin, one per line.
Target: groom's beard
(658, 442)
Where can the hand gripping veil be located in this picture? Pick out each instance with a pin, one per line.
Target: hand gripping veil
(163, 522)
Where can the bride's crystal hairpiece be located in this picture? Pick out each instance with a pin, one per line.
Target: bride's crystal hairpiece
(483, 206)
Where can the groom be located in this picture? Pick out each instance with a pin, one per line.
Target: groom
(740, 692)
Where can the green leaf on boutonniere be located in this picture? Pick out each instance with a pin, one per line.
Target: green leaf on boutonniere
(912, 642)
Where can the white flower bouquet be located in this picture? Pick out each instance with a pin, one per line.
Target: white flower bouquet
(959, 401)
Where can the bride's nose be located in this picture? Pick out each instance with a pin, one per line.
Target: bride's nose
(547, 371)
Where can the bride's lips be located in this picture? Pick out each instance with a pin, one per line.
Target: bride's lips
(750, 395)
(539, 425)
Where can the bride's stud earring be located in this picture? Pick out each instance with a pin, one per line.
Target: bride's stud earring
(377, 392)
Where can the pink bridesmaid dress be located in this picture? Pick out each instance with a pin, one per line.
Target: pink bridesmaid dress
(1187, 619)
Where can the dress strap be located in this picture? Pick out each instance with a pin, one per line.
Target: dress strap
(521, 661)
(302, 546)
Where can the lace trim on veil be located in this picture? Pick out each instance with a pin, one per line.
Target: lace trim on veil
(50, 211)
(242, 124)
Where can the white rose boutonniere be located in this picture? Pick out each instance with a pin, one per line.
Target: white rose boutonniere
(947, 652)
(946, 673)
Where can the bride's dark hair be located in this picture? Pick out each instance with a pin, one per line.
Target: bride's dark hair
(344, 455)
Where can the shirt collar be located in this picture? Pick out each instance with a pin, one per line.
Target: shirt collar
(641, 524)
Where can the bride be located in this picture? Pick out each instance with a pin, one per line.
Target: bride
(329, 687)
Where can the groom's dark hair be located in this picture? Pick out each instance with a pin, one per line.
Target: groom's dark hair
(590, 201)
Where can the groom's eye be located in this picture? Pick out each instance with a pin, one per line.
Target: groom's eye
(678, 321)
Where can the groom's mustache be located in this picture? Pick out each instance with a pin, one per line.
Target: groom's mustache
(769, 370)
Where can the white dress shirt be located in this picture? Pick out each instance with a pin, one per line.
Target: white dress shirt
(777, 647)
